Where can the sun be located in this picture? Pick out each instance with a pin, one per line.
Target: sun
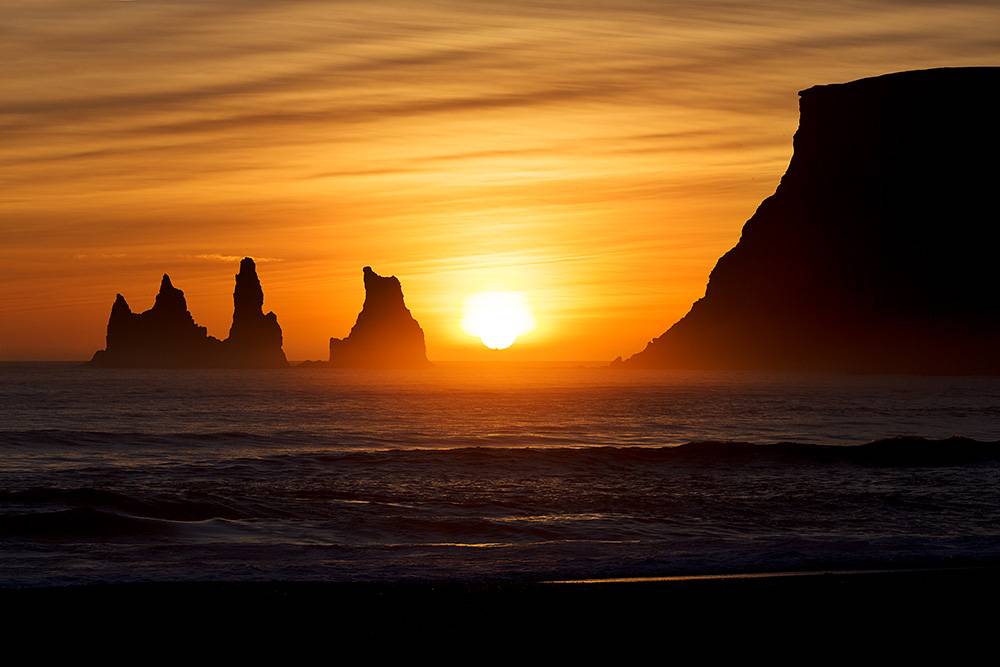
(498, 318)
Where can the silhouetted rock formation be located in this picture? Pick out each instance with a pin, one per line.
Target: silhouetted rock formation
(166, 335)
(255, 338)
(385, 334)
(878, 250)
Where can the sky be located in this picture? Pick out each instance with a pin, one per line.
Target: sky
(596, 156)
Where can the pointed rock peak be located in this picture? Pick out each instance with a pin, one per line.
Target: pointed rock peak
(382, 290)
(247, 266)
(169, 296)
(371, 276)
(247, 274)
(254, 338)
(248, 297)
(120, 308)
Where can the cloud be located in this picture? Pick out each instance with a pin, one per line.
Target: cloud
(215, 257)
(82, 256)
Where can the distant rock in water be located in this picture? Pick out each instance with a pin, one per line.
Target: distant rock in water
(166, 335)
(385, 334)
(877, 252)
(255, 338)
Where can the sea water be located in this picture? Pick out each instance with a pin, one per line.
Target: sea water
(487, 473)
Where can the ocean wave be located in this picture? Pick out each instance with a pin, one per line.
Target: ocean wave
(79, 522)
(422, 448)
(361, 439)
(119, 504)
(891, 451)
(72, 438)
(900, 451)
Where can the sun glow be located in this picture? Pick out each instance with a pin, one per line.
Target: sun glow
(497, 318)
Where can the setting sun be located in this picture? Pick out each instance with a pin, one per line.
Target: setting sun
(497, 318)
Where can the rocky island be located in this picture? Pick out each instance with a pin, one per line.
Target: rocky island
(166, 335)
(385, 334)
(877, 253)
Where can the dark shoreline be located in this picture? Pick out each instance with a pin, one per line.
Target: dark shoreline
(796, 597)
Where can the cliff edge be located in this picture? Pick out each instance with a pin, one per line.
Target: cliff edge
(878, 250)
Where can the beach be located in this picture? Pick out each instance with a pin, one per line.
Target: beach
(843, 611)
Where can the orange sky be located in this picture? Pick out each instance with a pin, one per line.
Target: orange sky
(598, 156)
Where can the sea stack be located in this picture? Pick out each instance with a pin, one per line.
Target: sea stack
(254, 338)
(166, 335)
(385, 334)
(877, 253)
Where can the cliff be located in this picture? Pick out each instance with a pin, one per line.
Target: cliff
(877, 252)
(385, 334)
(166, 335)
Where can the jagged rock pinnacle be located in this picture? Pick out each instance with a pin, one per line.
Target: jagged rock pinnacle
(385, 334)
(255, 338)
(167, 336)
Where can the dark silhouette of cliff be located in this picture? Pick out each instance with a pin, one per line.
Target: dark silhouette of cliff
(878, 250)
(385, 334)
(166, 335)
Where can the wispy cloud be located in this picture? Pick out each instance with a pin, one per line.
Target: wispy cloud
(83, 256)
(215, 257)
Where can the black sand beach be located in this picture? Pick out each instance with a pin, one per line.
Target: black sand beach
(817, 602)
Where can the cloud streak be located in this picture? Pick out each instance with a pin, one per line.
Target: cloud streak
(229, 259)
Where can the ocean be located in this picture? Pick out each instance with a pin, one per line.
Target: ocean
(493, 473)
